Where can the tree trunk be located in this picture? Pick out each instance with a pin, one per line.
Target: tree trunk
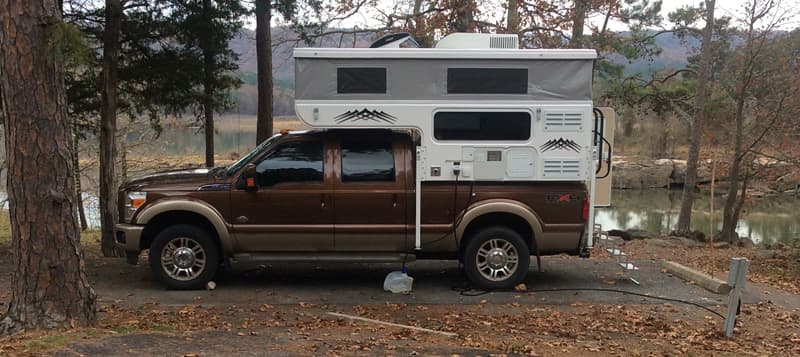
(108, 129)
(689, 183)
(512, 18)
(76, 172)
(419, 31)
(730, 216)
(208, 88)
(464, 12)
(49, 288)
(264, 59)
(578, 21)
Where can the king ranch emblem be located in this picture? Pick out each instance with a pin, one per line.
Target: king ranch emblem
(562, 198)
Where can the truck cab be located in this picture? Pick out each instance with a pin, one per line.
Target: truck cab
(342, 195)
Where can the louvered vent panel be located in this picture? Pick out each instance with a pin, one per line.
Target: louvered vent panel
(503, 42)
(563, 121)
(561, 168)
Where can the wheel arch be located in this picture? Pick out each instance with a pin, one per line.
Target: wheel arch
(158, 216)
(509, 213)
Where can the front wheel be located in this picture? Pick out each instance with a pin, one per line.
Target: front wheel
(496, 258)
(184, 257)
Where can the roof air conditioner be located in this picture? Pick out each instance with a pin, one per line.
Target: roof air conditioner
(478, 40)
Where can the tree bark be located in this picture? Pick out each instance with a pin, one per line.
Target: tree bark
(264, 126)
(687, 202)
(578, 21)
(464, 12)
(108, 129)
(730, 216)
(512, 18)
(208, 90)
(76, 172)
(49, 288)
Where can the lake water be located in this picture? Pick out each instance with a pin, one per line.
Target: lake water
(767, 220)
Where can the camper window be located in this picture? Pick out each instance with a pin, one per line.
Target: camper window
(487, 80)
(482, 126)
(358, 80)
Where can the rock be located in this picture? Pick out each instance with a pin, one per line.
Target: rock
(672, 242)
(722, 245)
(636, 233)
(644, 174)
(618, 233)
(746, 243)
(211, 285)
(697, 236)
(631, 234)
(635, 173)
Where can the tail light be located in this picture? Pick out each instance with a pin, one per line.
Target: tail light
(585, 213)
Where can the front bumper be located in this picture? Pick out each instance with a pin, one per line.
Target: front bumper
(127, 236)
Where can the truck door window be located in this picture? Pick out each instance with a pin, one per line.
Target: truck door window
(293, 162)
(367, 161)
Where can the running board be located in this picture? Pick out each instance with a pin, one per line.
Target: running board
(256, 259)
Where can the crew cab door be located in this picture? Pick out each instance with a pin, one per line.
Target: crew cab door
(370, 193)
(292, 208)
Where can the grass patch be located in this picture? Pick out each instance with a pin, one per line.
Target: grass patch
(125, 329)
(50, 342)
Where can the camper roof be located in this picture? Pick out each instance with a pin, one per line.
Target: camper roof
(440, 53)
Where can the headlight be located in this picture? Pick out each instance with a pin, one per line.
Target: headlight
(133, 200)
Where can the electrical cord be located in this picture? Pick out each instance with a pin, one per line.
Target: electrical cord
(457, 220)
(472, 292)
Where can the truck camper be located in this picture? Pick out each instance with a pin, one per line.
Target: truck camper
(474, 150)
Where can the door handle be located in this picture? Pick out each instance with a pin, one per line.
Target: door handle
(322, 201)
(394, 200)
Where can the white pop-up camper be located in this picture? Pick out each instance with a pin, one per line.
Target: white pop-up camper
(482, 109)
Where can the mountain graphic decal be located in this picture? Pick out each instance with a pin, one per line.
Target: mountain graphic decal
(560, 144)
(365, 114)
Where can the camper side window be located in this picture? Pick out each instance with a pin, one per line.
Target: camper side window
(482, 126)
(487, 80)
(359, 80)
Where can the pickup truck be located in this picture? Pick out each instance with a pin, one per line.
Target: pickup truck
(341, 196)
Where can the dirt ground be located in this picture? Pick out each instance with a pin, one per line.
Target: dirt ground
(285, 310)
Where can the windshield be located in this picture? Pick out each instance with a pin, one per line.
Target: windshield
(236, 166)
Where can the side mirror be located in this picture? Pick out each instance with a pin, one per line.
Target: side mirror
(250, 177)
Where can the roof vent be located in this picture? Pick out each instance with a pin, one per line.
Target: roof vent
(478, 40)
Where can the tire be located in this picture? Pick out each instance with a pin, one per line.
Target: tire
(184, 257)
(490, 252)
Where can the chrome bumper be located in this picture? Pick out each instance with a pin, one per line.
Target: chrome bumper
(127, 236)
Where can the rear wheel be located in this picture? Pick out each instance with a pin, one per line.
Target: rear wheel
(184, 257)
(496, 258)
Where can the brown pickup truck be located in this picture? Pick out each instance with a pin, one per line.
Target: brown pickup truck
(341, 196)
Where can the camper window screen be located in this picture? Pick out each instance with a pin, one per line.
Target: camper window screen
(361, 80)
(487, 81)
(482, 126)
